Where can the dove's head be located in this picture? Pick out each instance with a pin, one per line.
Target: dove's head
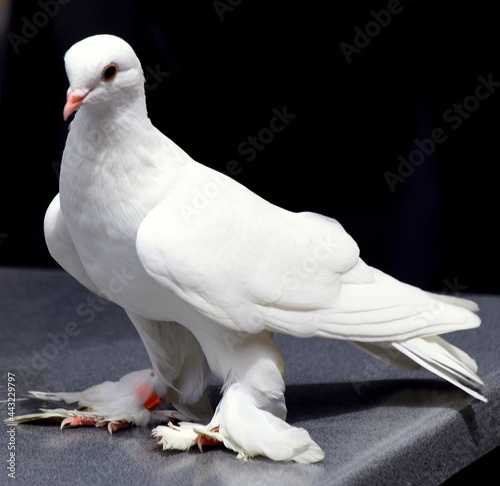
(103, 71)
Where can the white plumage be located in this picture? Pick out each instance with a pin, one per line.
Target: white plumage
(116, 404)
(206, 288)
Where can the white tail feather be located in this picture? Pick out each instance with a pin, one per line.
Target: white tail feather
(445, 360)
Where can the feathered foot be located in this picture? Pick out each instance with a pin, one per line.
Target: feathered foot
(89, 421)
(117, 405)
(87, 418)
(184, 436)
(71, 418)
(242, 427)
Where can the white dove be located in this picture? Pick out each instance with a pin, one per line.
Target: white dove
(207, 285)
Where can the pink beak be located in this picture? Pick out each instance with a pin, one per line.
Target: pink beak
(74, 99)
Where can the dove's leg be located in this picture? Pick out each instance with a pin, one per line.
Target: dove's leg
(178, 359)
(79, 421)
(251, 414)
(250, 418)
(131, 400)
(179, 376)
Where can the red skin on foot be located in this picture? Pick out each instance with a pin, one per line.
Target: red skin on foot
(79, 422)
(148, 396)
(114, 426)
(207, 440)
(144, 391)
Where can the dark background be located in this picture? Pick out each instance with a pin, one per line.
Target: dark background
(229, 67)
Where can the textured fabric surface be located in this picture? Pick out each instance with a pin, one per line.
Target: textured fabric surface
(377, 424)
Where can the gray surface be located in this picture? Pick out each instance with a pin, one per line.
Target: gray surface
(377, 424)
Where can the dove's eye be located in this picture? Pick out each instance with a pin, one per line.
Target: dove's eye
(109, 73)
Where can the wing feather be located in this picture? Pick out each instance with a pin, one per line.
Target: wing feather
(252, 266)
(240, 260)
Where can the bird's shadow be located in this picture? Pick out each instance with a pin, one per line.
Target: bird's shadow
(313, 401)
(317, 400)
(310, 402)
